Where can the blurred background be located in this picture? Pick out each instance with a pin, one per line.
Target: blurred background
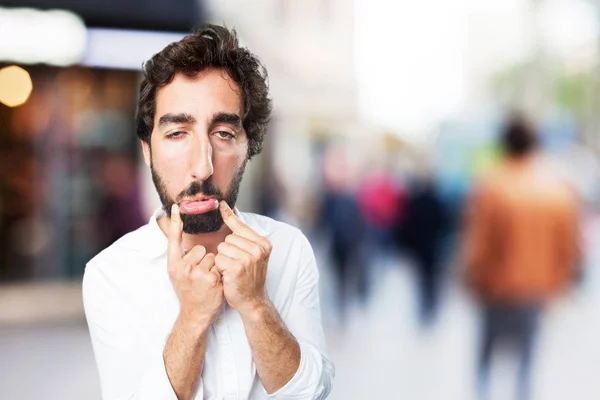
(385, 115)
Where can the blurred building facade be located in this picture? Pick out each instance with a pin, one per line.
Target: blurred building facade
(308, 49)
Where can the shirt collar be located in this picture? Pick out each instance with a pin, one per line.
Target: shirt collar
(157, 242)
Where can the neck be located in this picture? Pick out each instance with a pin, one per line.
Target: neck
(521, 158)
(209, 240)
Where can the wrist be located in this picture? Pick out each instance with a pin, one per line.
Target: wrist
(196, 324)
(256, 310)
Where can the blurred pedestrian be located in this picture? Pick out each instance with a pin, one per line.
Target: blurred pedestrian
(521, 248)
(381, 199)
(421, 234)
(340, 219)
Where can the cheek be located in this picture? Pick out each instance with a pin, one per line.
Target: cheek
(168, 155)
(172, 150)
(171, 171)
(226, 164)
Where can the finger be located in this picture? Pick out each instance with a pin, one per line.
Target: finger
(250, 247)
(195, 255)
(234, 252)
(224, 263)
(175, 232)
(216, 271)
(207, 262)
(234, 223)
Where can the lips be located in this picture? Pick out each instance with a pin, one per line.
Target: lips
(199, 206)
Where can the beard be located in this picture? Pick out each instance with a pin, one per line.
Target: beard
(210, 221)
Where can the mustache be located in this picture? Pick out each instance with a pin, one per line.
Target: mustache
(206, 188)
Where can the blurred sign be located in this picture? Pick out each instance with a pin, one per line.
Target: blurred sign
(61, 38)
(124, 49)
(166, 15)
(28, 36)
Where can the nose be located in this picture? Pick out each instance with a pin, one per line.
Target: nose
(200, 158)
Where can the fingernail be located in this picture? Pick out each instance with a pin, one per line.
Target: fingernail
(216, 204)
(174, 209)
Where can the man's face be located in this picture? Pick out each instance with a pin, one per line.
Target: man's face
(198, 147)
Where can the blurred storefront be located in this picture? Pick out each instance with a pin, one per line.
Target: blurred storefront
(70, 182)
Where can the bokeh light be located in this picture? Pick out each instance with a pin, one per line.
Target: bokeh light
(15, 86)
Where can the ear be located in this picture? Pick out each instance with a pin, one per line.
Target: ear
(146, 151)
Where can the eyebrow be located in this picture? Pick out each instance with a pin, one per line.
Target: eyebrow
(181, 118)
(226, 118)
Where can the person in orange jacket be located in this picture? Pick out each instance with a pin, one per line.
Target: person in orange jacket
(521, 247)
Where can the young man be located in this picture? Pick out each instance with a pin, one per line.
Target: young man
(205, 302)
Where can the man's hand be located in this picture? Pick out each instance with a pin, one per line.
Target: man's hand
(242, 259)
(194, 276)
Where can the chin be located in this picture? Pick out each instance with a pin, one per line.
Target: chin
(202, 223)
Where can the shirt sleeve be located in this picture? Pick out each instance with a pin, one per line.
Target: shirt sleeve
(314, 377)
(126, 368)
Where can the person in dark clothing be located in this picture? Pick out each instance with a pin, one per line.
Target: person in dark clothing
(341, 219)
(422, 233)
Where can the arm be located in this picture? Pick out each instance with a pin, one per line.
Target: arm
(569, 242)
(200, 292)
(289, 355)
(127, 365)
(128, 368)
(275, 351)
(184, 355)
(314, 376)
(477, 238)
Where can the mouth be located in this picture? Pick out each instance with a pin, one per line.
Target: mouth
(198, 205)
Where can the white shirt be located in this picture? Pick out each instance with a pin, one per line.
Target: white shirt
(131, 306)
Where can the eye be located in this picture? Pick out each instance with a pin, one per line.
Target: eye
(175, 135)
(225, 135)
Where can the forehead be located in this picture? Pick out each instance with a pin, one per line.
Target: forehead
(209, 92)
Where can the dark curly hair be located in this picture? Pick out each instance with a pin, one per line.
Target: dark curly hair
(211, 46)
